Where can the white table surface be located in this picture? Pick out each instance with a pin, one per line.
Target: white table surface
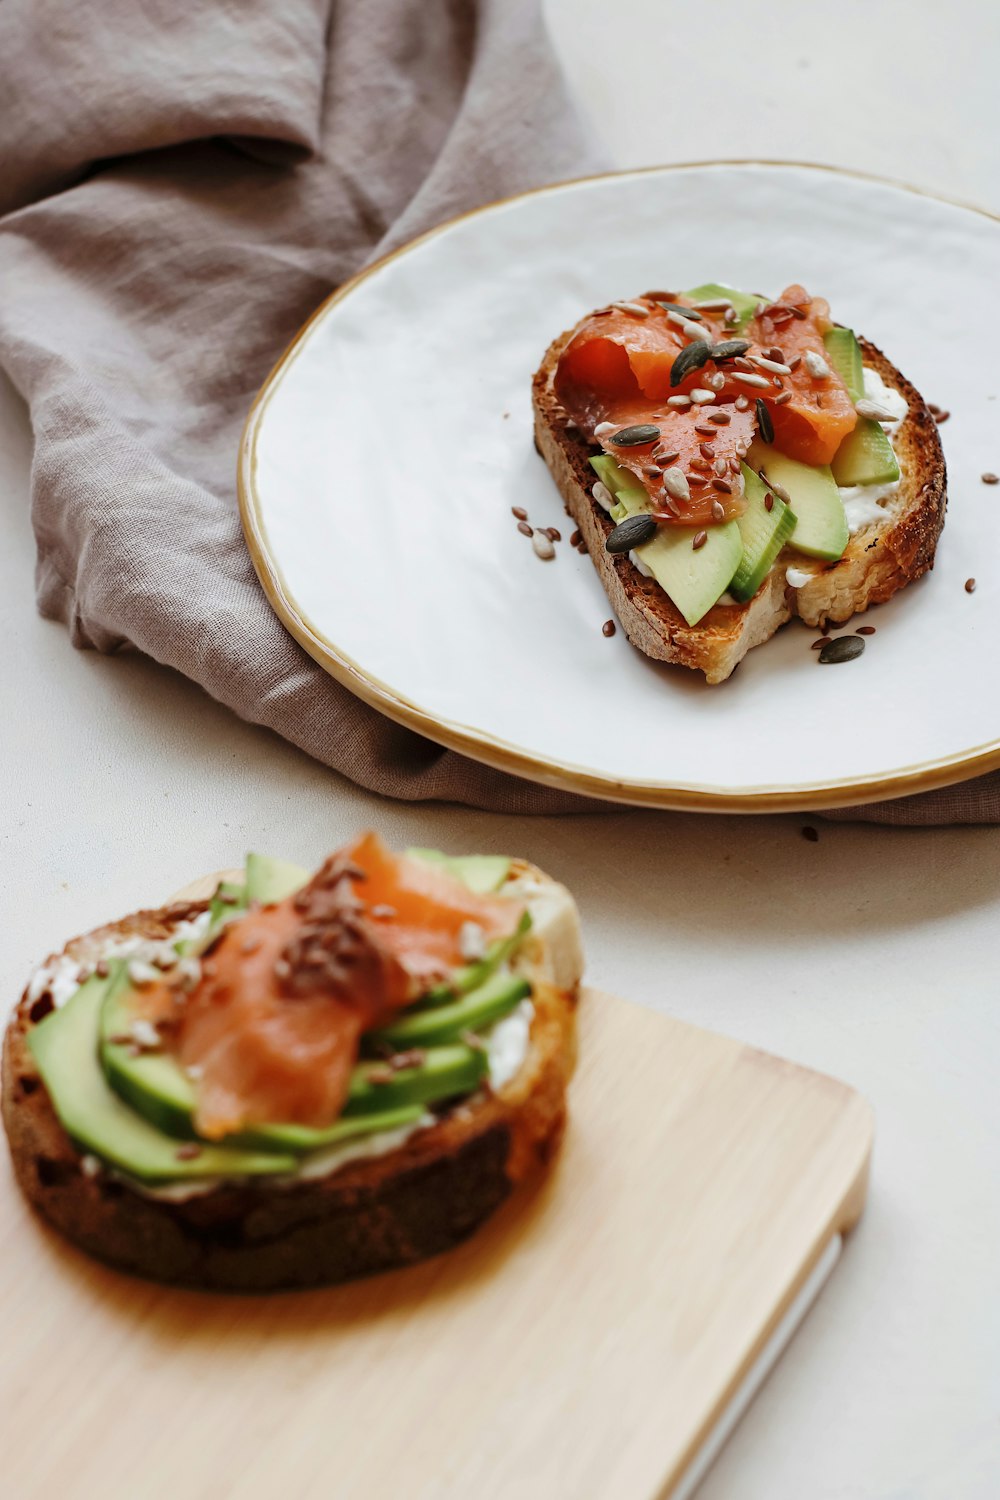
(871, 954)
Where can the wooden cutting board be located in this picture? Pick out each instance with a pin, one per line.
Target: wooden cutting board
(580, 1347)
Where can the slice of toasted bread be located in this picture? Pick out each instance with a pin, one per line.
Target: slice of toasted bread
(368, 1215)
(879, 559)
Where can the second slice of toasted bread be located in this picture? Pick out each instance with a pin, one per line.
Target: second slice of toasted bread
(880, 559)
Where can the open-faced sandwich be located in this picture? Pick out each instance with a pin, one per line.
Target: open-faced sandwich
(302, 1078)
(732, 461)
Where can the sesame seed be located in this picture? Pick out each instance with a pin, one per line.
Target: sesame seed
(524, 528)
(970, 585)
(759, 382)
(816, 365)
(700, 539)
(989, 478)
(519, 512)
(608, 628)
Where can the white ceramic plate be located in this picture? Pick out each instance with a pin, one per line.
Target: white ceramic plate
(381, 461)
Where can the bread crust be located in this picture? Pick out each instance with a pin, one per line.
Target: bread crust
(369, 1215)
(879, 560)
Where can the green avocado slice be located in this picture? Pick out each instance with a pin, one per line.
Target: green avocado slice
(271, 880)
(763, 532)
(65, 1047)
(745, 303)
(482, 873)
(446, 1023)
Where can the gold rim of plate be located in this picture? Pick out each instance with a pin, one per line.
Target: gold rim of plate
(477, 744)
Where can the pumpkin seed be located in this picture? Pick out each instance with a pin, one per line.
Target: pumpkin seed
(691, 358)
(844, 648)
(729, 348)
(636, 437)
(764, 424)
(631, 532)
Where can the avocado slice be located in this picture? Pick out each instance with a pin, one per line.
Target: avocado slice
(155, 1085)
(446, 1023)
(821, 527)
(844, 353)
(65, 1047)
(745, 303)
(482, 873)
(694, 579)
(865, 456)
(764, 532)
(272, 880)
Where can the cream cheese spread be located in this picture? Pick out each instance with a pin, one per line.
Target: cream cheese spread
(863, 503)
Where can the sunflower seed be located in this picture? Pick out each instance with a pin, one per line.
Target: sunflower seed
(681, 315)
(781, 492)
(701, 397)
(697, 333)
(817, 367)
(631, 532)
(636, 437)
(679, 401)
(691, 358)
(759, 381)
(865, 408)
(723, 486)
(729, 349)
(741, 403)
(632, 307)
(764, 424)
(714, 304)
(602, 495)
(543, 546)
(769, 364)
(675, 483)
(715, 381)
(844, 648)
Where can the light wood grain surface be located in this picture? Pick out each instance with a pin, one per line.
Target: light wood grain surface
(581, 1345)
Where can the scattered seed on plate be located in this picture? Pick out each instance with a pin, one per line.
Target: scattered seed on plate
(941, 416)
(989, 478)
(970, 585)
(824, 640)
(865, 630)
(519, 511)
(631, 532)
(844, 648)
(764, 423)
(553, 534)
(608, 628)
(525, 529)
(810, 834)
(575, 539)
(543, 546)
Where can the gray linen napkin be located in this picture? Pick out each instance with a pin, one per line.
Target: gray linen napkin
(182, 184)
